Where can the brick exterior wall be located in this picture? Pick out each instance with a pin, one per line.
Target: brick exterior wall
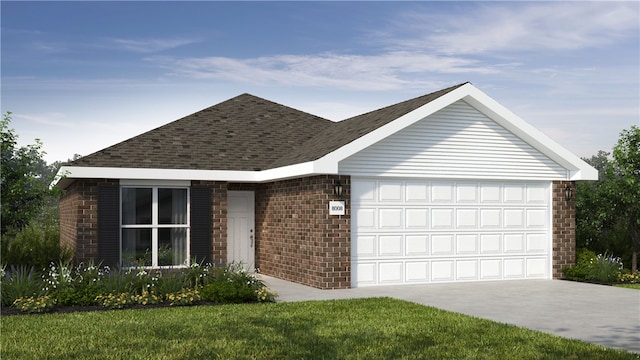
(296, 238)
(79, 218)
(564, 228)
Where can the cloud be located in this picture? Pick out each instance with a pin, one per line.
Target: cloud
(385, 71)
(47, 119)
(148, 45)
(509, 28)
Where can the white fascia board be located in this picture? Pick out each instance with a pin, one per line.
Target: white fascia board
(577, 168)
(67, 173)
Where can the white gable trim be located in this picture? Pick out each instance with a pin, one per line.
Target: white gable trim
(577, 169)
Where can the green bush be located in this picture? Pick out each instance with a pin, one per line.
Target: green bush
(63, 284)
(226, 292)
(38, 244)
(584, 259)
(596, 268)
(170, 282)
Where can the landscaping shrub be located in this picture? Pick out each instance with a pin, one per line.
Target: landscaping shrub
(19, 282)
(73, 285)
(65, 285)
(627, 277)
(226, 292)
(584, 259)
(598, 268)
(605, 268)
(37, 245)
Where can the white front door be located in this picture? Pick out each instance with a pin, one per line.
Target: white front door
(240, 229)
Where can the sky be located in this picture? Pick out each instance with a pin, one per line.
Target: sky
(81, 76)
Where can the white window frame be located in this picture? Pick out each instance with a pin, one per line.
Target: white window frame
(154, 226)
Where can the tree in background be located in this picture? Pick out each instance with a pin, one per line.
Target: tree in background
(29, 228)
(625, 188)
(608, 210)
(25, 179)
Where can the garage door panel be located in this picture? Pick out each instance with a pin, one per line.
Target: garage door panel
(514, 268)
(390, 272)
(417, 218)
(490, 218)
(514, 194)
(514, 218)
(366, 246)
(536, 267)
(364, 191)
(442, 244)
(536, 218)
(490, 243)
(466, 193)
(537, 194)
(416, 192)
(417, 245)
(491, 269)
(466, 244)
(419, 231)
(442, 218)
(390, 218)
(442, 193)
(365, 219)
(366, 273)
(390, 245)
(417, 271)
(490, 194)
(466, 218)
(442, 270)
(537, 243)
(467, 270)
(390, 191)
(514, 243)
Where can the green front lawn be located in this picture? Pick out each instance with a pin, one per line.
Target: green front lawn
(344, 329)
(629, 286)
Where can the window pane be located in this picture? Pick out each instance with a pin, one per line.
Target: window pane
(172, 246)
(172, 206)
(136, 247)
(136, 206)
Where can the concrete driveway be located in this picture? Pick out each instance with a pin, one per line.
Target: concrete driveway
(597, 314)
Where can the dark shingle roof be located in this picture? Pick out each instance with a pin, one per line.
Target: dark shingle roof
(243, 133)
(246, 133)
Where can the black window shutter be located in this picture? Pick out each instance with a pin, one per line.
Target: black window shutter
(109, 225)
(201, 223)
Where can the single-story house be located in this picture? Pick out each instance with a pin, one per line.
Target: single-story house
(449, 186)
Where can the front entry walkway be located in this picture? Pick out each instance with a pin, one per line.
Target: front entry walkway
(598, 314)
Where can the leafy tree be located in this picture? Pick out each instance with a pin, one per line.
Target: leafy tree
(608, 210)
(625, 188)
(25, 179)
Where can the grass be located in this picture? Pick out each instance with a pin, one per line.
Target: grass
(380, 328)
(630, 286)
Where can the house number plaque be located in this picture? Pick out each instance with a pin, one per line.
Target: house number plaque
(336, 207)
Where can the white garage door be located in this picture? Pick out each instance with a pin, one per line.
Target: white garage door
(413, 231)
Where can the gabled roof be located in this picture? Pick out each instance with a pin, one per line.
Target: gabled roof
(251, 139)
